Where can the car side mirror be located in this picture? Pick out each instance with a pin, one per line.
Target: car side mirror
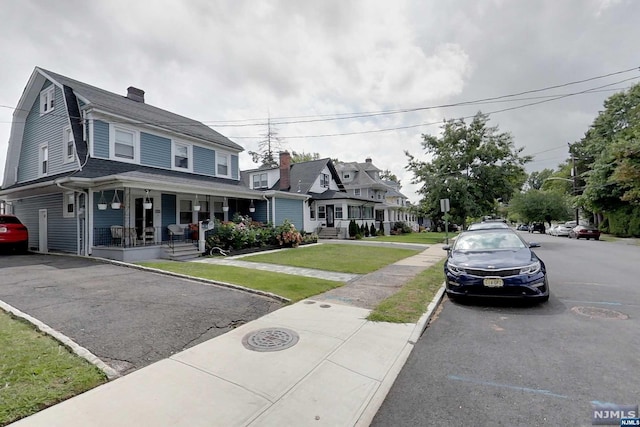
(446, 248)
(534, 245)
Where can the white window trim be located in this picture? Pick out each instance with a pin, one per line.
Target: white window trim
(322, 212)
(112, 143)
(41, 159)
(357, 192)
(227, 156)
(189, 167)
(65, 145)
(178, 211)
(65, 198)
(48, 98)
(259, 175)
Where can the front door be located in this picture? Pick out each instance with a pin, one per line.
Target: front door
(144, 217)
(330, 221)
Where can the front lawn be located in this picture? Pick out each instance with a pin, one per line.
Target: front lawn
(295, 288)
(342, 258)
(36, 371)
(426, 238)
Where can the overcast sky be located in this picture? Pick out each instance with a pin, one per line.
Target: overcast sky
(239, 62)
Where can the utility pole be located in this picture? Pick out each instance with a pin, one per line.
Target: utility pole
(574, 175)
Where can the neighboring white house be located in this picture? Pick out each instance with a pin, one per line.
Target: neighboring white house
(363, 180)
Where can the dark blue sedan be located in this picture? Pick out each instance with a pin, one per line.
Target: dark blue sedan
(494, 263)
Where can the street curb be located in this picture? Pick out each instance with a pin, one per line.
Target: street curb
(207, 282)
(366, 418)
(65, 340)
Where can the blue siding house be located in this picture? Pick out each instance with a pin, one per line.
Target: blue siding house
(91, 172)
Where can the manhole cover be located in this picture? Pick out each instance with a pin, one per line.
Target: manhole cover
(270, 339)
(599, 313)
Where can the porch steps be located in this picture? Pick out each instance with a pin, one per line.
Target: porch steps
(329, 233)
(182, 252)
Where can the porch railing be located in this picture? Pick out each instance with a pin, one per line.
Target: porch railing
(129, 237)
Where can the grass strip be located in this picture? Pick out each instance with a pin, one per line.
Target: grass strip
(411, 301)
(295, 288)
(342, 258)
(36, 371)
(426, 238)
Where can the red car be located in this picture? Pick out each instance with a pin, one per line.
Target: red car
(585, 231)
(13, 233)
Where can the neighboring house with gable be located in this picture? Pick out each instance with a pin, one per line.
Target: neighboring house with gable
(363, 180)
(92, 172)
(328, 208)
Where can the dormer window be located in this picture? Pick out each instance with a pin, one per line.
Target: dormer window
(260, 181)
(346, 176)
(47, 100)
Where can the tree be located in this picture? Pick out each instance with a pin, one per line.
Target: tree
(268, 147)
(303, 157)
(388, 175)
(539, 206)
(472, 165)
(611, 154)
(537, 178)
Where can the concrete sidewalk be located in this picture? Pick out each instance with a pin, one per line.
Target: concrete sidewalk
(310, 363)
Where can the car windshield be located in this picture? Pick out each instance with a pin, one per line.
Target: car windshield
(488, 241)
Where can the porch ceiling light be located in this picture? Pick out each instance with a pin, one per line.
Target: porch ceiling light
(196, 206)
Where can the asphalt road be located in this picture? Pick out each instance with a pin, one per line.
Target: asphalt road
(127, 317)
(492, 364)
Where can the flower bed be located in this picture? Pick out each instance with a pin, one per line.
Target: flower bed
(242, 234)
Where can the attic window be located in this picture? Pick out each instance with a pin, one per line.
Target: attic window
(324, 180)
(47, 100)
(69, 148)
(346, 176)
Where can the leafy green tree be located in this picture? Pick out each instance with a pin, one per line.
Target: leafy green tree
(610, 156)
(539, 206)
(536, 179)
(472, 165)
(303, 157)
(388, 175)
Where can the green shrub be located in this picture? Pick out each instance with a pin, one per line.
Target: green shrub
(372, 229)
(353, 228)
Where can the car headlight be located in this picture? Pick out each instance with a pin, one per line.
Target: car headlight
(455, 270)
(531, 269)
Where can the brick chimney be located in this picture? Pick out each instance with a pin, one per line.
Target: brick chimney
(135, 94)
(285, 166)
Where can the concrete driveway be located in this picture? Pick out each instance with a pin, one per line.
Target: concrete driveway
(127, 317)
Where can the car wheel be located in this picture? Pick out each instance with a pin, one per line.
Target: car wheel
(23, 247)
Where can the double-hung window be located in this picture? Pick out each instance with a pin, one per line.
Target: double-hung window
(186, 211)
(47, 100)
(44, 160)
(260, 181)
(222, 167)
(181, 156)
(125, 144)
(69, 147)
(338, 212)
(322, 212)
(356, 191)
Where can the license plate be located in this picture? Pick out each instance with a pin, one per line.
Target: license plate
(493, 283)
(3, 229)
